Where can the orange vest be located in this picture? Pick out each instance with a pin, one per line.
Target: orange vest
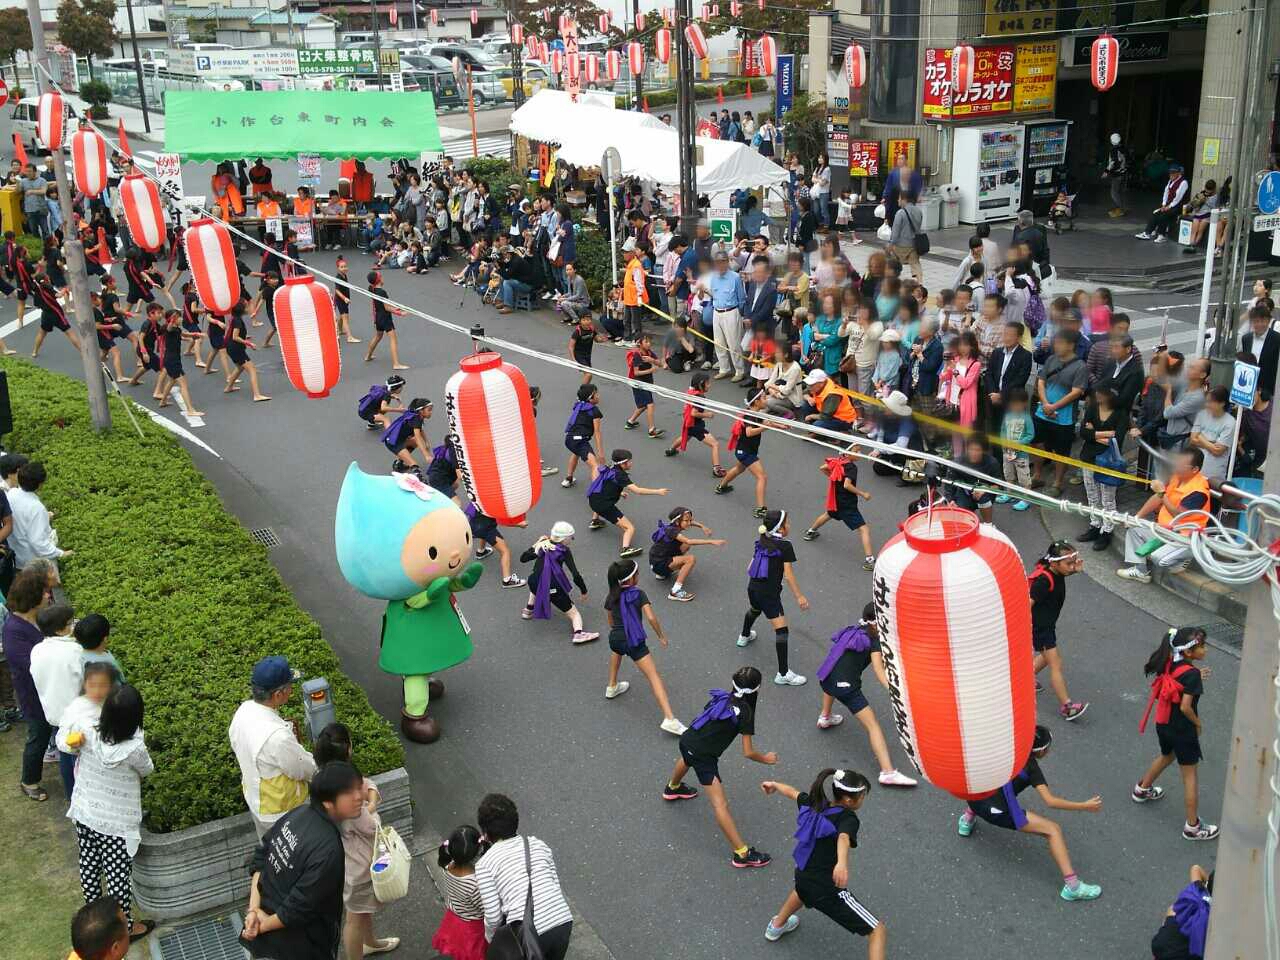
(268, 208)
(845, 410)
(1176, 491)
(362, 186)
(304, 206)
(633, 288)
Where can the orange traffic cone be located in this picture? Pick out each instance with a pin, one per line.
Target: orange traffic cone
(644, 104)
(720, 95)
(748, 89)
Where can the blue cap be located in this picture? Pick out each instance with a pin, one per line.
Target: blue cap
(271, 673)
(1175, 167)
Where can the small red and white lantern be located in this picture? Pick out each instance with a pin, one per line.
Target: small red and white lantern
(435, 16)
(662, 45)
(566, 23)
(613, 65)
(641, 20)
(50, 120)
(213, 264)
(735, 8)
(768, 55)
(962, 57)
(557, 61)
(593, 68)
(668, 17)
(704, 12)
(393, 16)
(517, 34)
(760, 4)
(475, 15)
(635, 58)
(855, 66)
(494, 435)
(143, 212)
(531, 47)
(546, 14)
(308, 335)
(603, 23)
(697, 41)
(573, 67)
(89, 154)
(1104, 61)
(954, 617)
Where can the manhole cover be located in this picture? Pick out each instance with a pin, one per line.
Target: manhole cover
(213, 938)
(265, 536)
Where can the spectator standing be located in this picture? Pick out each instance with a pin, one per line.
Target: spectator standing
(1212, 432)
(1183, 400)
(902, 179)
(820, 190)
(761, 297)
(728, 295)
(57, 669)
(35, 205)
(1008, 369)
(33, 536)
(1255, 431)
(1103, 421)
(1264, 343)
(1061, 384)
(1035, 238)
(908, 225)
(20, 635)
(1116, 170)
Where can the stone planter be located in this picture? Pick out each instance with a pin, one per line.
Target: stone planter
(205, 867)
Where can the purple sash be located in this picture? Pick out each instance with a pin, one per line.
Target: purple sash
(853, 638)
(666, 531)
(719, 707)
(552, 569)
(811, 826)
(1191, 911)
(371, 402)
(471, 510)
(444, 452)
(632, 625)
(606, 475)
(580, 407)
(401, 428)
(759, 569)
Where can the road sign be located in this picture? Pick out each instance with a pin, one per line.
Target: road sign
(4, 93)
(723, 221)
(1266, 221)
(1269, 193)
(1244, 384)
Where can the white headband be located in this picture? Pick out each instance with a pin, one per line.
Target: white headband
(635, 569)
(743, 691)
(782, 518)
(1180, 649)
(835, 782)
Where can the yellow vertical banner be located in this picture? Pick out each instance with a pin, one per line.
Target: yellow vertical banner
(706, 69)
(549, 177)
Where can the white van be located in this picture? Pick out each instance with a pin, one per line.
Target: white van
(24, 119)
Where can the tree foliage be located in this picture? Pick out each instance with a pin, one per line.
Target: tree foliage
(805, 124)
(87, 26)
(788, 25)
(15, 32)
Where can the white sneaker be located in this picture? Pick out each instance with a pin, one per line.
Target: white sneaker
(790, 679)
(895, 779)
(1143, 235)
(549, 471)
(567, 482)
(744, 641)
(830, 720)
(1133, 573)
(673, 727)
(513, 581)
(584, 636)
(773, 934)
(1160, 238)
(617, 690)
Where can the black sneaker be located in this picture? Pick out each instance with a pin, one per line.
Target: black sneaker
(679, 792)
(723, 487)
(486, 552)
(630, 552)
(1103, 542)
(629, 424)
(759, 512)
(596, 525)
(1093, 533)
(657, 432)
(671, 452)
(752, 858)
(811, 534)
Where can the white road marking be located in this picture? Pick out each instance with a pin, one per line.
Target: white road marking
(178, 430)
(182, 408)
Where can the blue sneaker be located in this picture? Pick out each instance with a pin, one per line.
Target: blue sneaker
(964, 826)
(1003, 498)
(772, 933)
(1021, 505)
(1083, 891)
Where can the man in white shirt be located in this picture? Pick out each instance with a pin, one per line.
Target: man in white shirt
(1165, 216)
(33, 536)
(275, 769)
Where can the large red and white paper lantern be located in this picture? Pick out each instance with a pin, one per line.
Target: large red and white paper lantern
(565, 23)
(1104, 60)
(641, 20)
(603, 23)
(494, 435)
(89, 154)
(613, 65)
(475, 15)
(855, 66)
(697, 42)
(954, 615)
(213, 264)
(517, 34)
(557, 61)
(593, 68)
(962, 57)
(662, 45)
(308, 335)
(768, 55)
(143, 212)
(635, 58)
(50, 120)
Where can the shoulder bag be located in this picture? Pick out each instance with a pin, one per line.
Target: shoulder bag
(920, 241)
(1110, 459)
(389, 870)
(518, 940)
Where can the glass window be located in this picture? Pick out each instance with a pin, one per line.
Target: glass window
(893, 62)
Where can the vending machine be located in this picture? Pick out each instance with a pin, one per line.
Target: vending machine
(987, 165)
(1044, 166)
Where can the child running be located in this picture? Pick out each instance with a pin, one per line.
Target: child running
(1175, 694)
(52, 315)
(1048, 586)
(191, 311)
(460, 935)
(726, 716)
(383, 399)
(670, 550)
(1001, 809)
(744, 441)
(238, 344)
(853, 649)
(843, 494)
(148, 356)
(405, 436)
(611, 484)
(582, 433)
(694, 425)
(484, 530)
(628, 607)
(169, 344)
(771, 564)
(641, 364)
(581, 340)
(549, 582)
(383, 323)
(826, 831)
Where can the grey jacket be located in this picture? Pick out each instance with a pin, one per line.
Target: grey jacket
(908, 217)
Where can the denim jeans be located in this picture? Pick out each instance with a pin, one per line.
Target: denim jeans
(37, 222)
(38, 733)
(511, 287)
(821, 208)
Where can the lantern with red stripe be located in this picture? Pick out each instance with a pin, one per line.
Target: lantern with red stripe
(603, 23)
(557, 61)
(213, 264)
(954, 619)
(1104, 59)
(760, 4)
(961, 69)
(89, 154)
(546, 14)
(662, 45)
(715, 10)
(308, 335)
(735, 8)
(492, 428)
(635, 58)
(593, 68)
(704, 12)
(435, 16)
(573, 67)
(531, 46)
(667, 16)
(566, 23)
(855, 66)
(475, 15)
(697, 42)
(641, 20)
(50, 120)
(768, 55)
(517, 34)
(613, 65)
(143, 212)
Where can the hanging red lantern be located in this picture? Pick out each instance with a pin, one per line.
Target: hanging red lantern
(557, 61)
(735, 9)
(962, 57)
(566, 22)
(573, 67)
(593, 68)
(546, 14)
(704, 12)
(855, 66)
(143, 212)
(1104, 61)
(50, 120)
(435, 16)
(603, 23)
(662, 45)
(89, 154)
(715, 10)
(760, 5)
(494, 436)
(667, 16)
(213, 264)
(308, 335)
(641, 20)
(954, 619)
(475, 15)
(531, 46)
(768, 56)
(697, 42)
(517, 34)
(613, 65)
(635, 58)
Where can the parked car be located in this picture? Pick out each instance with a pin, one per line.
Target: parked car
(473, 57)
(440, 83)
(24, 119)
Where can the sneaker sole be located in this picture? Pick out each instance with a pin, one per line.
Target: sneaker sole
(1137, 799)
(1213, 836)
(748, 866)
(512, 586)
(675, 797)
(683, 599)
(1075, 716)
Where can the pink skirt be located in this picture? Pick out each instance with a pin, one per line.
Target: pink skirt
(458, 938)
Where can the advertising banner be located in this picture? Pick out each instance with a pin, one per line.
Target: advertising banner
(990, 91)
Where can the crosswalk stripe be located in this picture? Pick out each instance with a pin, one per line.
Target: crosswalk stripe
(498, 144)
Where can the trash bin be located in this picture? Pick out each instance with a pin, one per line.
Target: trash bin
(950, 205)
(932, 203)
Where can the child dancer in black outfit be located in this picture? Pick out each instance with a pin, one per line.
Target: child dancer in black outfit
(826, 832)
(610, 485)
(843, 494)
(381, 400)
(726, 716)
(549, 580)
(670, 550)
(628, 607)
(694, 425)
(744, 441)
(484, 530)
(582, 433)
(405, 435)
(770, 565)
(238, 345)
(1186, 924)
(641, 363)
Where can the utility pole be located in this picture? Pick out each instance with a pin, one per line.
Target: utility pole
(288, 12)
(137, 65)
(517, 59)
(377, 40)
(639, 77)
(73, 249)
(686, 121)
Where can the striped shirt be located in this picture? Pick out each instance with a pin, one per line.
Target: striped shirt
(504, 885)
(462, 896)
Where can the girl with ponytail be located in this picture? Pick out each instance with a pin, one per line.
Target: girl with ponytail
(628, 607)
(770, 565)
(726, 716)
(826, 832)
(670, 551)
(461, 932)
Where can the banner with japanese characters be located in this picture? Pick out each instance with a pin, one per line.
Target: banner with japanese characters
(312, 61)
(990, 90)
(864, 158)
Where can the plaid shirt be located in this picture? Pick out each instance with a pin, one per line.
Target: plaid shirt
(988, 334)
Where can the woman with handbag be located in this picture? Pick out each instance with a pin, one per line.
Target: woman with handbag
(1102, 430)
(333, 743)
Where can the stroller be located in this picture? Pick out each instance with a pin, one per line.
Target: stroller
(1062, 213)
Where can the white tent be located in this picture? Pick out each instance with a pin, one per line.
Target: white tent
(549, 116)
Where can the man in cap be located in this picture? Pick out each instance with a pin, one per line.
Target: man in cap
(1165, 216)
(826, 405)
(274, 767)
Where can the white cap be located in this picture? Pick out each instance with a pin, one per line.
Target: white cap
(561, 530)
(815, 377)
(629, 244)
(1115, 139)
(890, 336)
(897, 403)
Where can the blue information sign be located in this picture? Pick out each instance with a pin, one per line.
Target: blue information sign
(786, 80)
(1268, 189)
(1244, 384)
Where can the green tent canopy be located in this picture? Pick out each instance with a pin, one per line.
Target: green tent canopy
(203, 125)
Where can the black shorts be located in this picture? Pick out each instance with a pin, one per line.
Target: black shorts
(173, 365)
(706, 769)
(607, 510)
(746, 458)
(1001, 809)
(408, 443)
(237, 353)
(618, 644)
(840, 905)
(382, 323)
(146, 296)
(1185, 747)
(1055, 437)
(768, 603)
(1045, 640)
(850, 694)
(579, 448)
(483, 528)
(851, 518)
(642, 398)
(697, 430)
(217, 337)
(449, 489)
(105, 341)
(661, 567)
(557, 598)
(51, 321)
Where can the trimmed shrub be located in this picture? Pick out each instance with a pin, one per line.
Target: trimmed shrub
(192, 599)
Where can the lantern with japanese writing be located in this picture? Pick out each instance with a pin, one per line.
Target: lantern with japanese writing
(1104, 59)
(517, 34)
(768, 55)
(855, 66)
(613, 65)
(635, 58)
(697, 42)
(641, 20)
(143, 212)
(962, 58)
(662, 45)
(954, 618)
(213, 264)
(89, 154)
(557, 61)
(50, 120)
(603, 22)
(475, 15)
(494, 436)
(592, 68)
(308, 335)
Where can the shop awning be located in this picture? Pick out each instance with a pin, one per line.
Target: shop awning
(335, 124)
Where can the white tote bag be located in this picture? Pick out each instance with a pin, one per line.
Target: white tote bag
(389, 870)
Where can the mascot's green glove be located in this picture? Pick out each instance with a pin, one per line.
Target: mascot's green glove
(467, 578)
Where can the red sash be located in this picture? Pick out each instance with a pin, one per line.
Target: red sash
(835, 477)
(687, 423)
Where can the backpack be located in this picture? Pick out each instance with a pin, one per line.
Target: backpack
(1034, 316)
(1166, 693)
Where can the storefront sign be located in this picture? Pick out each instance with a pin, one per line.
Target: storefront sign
(1020, 16)
(990, 91)
(841, 100)
(864, 158)
(360, 62)
(1134, 47)
(233, 63)
(898, 147)
(1035, 76)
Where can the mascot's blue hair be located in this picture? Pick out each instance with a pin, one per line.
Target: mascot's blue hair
(374, 516)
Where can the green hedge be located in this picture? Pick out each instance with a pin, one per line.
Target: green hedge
(192, 599)
(704, 91)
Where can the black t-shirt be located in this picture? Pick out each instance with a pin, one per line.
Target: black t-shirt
(773, 580)
(1030, 776)
(1048, 594)
(666, 547)
(844, 499)
(268, 294)
(611, 490)
(714, 738)
(341, 287)
(583, 340)
(110, 304)
(823, 859)
(380, 311)
(1193, 684)
(643, 365)
(746, 442)
(583, 427)
(613, 609)
(852, 664)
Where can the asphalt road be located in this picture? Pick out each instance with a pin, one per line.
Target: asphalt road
(526, 715)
